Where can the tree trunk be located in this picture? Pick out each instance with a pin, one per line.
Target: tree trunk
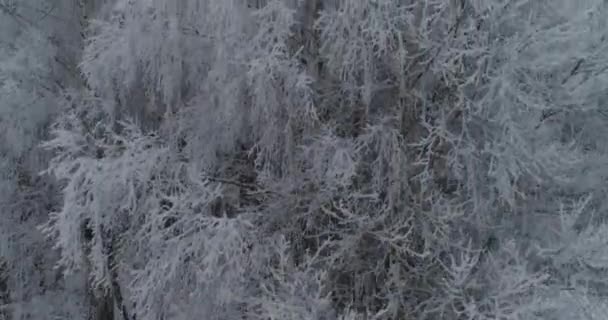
(4, 293)
(103, 307)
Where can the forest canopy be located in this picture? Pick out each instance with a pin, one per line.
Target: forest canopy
(303, 159)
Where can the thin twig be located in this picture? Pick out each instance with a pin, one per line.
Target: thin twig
(574, 70)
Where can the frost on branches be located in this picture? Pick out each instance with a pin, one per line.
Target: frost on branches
(307, 159)
(36, 48)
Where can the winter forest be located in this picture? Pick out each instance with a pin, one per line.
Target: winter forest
(303, 159)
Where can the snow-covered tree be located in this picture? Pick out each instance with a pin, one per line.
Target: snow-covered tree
(306, 159)
(39, 44)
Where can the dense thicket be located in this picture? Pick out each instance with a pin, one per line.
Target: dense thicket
(303, 159)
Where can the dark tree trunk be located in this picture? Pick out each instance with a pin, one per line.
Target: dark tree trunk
(103, 307)
(4, 292)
